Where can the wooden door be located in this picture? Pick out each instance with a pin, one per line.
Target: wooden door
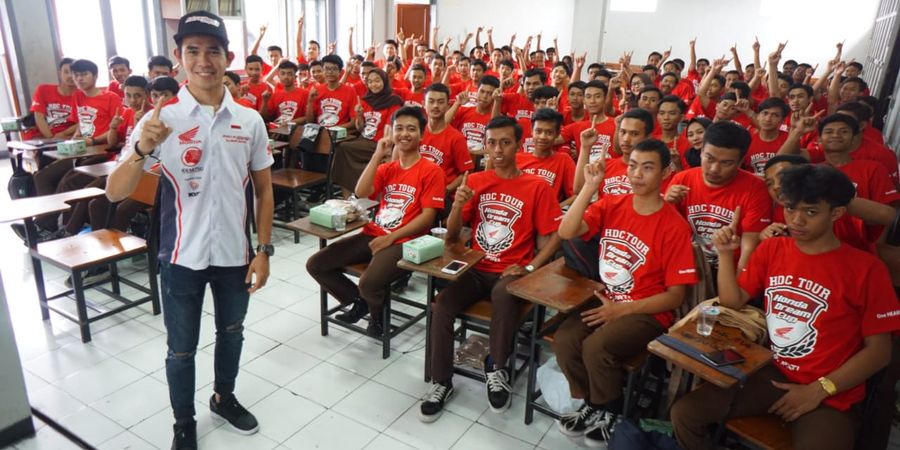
(415, 20)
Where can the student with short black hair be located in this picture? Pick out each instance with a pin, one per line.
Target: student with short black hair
(165, 88)
(514, 218)
(472, 121)
(645, 261)
(576, 111)
(634, 127)
(709, 195)
(160, 66)
(119, 70)
(53, 104)
(829, 322)
(556, 168)
(331, 103)
(137, 102)
(254, 86)
(767, 139)
(287, 104)
(441, 142)
(410, 190)
(232, 82)
(595, 93)
(669, 114)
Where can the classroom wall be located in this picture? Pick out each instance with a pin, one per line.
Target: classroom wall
(524, 17)
(717, 25)
(30, 29)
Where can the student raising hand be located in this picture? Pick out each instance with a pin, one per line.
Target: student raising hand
(726, 239)
(463, 193)
(154, 131)
(590, 135)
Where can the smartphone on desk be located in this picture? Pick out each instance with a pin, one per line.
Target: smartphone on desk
(725, 357)
(454, 267)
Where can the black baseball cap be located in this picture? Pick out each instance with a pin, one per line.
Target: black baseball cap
(201, 22)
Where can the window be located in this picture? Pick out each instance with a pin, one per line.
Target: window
(633, 5)
(81, 34)
(358, 14)
(130, 33)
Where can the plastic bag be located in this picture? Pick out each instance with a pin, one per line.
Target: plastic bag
(472, 352)
(555, 388)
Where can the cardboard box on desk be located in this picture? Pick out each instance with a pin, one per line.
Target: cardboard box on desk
(339, 132)
(71, 147)
(322, 215)
(423, 248)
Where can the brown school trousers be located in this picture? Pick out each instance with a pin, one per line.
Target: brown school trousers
(471, 287)
(327, 267)
(696, 415)
(591, 357)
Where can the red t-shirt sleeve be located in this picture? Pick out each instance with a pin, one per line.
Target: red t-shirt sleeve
(758, 214)
(38, 102)
(433, 187)
(461, 157)
(568, 177)
(881, 311)
(883, 191)
(752, 278)
(547, 213)
(378, 182)
(593, 217)
(679, 253)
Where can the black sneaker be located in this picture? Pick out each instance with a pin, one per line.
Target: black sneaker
(357, 311)
(19, 229)
(91, 276)
(433, 404)
(232, 412)
(185, 435)
(375, 328)
(400, 285)
(499, 391)
(574, 424)
(598, 435)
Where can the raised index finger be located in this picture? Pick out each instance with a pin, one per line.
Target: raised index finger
(736, 219)
(463, 183)
(159, 106)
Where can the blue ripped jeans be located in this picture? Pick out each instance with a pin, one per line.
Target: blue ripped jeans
(183, 290)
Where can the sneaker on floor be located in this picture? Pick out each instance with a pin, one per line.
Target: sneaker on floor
(433, 404)
(356, 312)
(575, 424)
(19, 229)
(91, 276)
(185, 435)
(400, 285)
(232, 412)
(499, 391)
(375, 328)
(597, 436)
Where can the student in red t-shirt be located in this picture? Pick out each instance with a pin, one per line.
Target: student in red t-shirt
(514, 219)
(576, 111)
(767, 140)
(94, 109)
(137, 102)
(254, 87)
(866, 148)
(645, 261)
(649, 98)
(331, 103)
(595, 93)
(441, 143)
(542, 97)
(560, 76)
(669, 114)
(52, 105)
(119, 70)
(711, 87)
(556, 168)
(471, 121)
(372, 114)
(287, 105)
(519, 105)
(317, 72)
(709, 195)
(415, 95)
(829, 322)
(509, 76)
(232, 82)
(410, 191)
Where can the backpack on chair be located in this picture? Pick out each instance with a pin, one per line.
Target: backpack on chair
(21, 183)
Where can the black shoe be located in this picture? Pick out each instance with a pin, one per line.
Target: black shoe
(433, 404)
(375, 328)
(598, 435)
(574, 424)
(401, 284)
(232, 412)
(19, 229)
(357, 311)
(185, 435)
(499, 391)
(91, 276)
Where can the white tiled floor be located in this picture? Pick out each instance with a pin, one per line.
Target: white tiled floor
(308, 391)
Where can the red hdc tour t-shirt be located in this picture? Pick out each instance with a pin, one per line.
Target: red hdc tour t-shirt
(558, 170)
(606, 131)
(448, 150)
(708, 209)
(517, 106)
(404, 193)
(287, 106)
(94, 113)
(376, 120)
(640, 256)
(507, 215)
(255, 92)
(472, 125)
(760, 152)
(57, 109)
(819, 308)
(334, 107)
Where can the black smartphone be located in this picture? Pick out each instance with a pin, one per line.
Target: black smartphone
(725, 357)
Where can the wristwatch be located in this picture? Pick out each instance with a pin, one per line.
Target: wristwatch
(268, 249)
(529, 268)
(828, 386)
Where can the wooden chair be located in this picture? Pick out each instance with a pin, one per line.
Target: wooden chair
(99, 248)
(294, 180)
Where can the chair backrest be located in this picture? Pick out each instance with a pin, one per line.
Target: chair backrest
(145, 192)
(705, 287)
